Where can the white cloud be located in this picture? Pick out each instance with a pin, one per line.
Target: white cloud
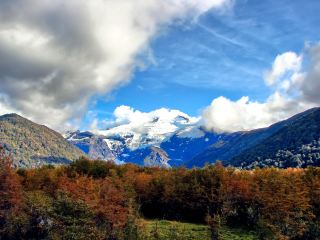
(56, 54)
(226, 115)
(310, 84)
(284, 63)
(146, 127)
(296, 90)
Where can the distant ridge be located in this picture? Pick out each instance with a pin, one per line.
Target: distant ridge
(294, 142)
(33, 145)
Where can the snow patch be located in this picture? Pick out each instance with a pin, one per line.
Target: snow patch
(191, 132)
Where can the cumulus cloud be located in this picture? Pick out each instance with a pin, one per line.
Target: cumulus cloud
(296, 89)
(282, 65)
(55, 55)
(161, 120)
(226, 115)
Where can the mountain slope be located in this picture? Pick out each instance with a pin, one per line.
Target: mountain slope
(296, 144)
(34, 145)
(230, 145)
(243, 148)
(157, 157)
(188, 143)
(93, 145)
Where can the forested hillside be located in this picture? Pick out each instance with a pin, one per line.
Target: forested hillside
(100, 200)
(289, 143)
(296, 144)
(33, 145)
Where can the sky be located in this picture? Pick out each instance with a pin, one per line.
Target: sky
(232, 64)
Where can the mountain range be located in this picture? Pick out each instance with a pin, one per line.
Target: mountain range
(290, 143)
(294, 142)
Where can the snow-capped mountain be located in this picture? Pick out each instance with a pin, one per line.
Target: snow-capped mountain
(141, 138)
(173, 149)
(292, 142)
(139, 129)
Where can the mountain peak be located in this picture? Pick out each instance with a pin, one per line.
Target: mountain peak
(12, 115)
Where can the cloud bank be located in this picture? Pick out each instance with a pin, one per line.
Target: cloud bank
(56, 54)
(296, 88)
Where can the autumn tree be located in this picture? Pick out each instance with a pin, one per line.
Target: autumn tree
(284, 201)
(105, 197)
(240, 205)
(73, 219)
(10, 197)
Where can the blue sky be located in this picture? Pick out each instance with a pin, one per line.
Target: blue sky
(77, 61)
(222, 54)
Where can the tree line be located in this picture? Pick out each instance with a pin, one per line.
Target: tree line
(100, 200)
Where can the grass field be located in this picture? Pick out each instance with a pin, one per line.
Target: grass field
(187, 231)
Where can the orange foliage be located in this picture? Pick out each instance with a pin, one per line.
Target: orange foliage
(10, 188)
(141, 182)
(287, 202)
(104, 196)
(284, 199)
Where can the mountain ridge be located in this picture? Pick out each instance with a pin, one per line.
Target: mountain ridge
(188, 145)
(300, 130)
(32, 144)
